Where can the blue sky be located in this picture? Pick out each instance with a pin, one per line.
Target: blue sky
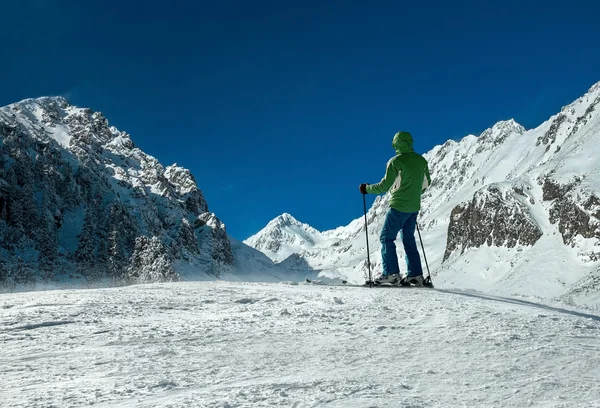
(287, 106)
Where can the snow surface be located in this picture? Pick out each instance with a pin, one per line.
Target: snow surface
(224, 344)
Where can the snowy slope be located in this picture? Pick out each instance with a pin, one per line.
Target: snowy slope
(512, 211)
(222, 344)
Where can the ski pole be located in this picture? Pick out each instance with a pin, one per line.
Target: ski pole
(367, 234)
(424, 256)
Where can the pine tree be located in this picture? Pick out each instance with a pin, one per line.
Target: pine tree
(24, 273)
(121, 241)
(85, 255)
(3, 272)
(46, 240)
(47, 245)
(150, 262)
(116, 259)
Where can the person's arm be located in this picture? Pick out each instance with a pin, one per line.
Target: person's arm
(426, 179)
(386, 182)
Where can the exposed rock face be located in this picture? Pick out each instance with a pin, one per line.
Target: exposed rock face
(216, 239)
(550, 136)
(494, 217)
(575, 215)
(77, 198)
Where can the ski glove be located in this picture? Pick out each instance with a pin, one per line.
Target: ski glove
(363, 188)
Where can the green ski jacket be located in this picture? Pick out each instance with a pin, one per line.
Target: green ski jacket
(406, 176)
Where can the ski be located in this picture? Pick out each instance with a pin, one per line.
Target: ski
(427, 284)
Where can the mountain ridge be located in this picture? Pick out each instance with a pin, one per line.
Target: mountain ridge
(497, 203)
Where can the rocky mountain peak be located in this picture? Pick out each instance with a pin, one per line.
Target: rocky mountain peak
(503, 129)
(283, 236)
(284, 220)
(79, 199)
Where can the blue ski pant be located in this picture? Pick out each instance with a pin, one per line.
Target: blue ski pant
(398, 221)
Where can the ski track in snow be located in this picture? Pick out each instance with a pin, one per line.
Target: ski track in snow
(223, 344)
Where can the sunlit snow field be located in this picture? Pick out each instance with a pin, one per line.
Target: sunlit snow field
(224, 344)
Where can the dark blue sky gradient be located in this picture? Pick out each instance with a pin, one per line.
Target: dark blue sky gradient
(286, 106)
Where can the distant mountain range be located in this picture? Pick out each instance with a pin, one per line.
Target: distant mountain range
(512, 210)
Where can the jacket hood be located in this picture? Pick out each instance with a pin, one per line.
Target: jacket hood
(403, 142)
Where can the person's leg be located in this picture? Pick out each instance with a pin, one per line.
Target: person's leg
(389, 232)
(413, 260)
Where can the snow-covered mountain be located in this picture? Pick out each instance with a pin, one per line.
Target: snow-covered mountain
(79, 200)
(283, 237)
(512, 210)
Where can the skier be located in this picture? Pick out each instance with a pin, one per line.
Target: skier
(406, 177)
